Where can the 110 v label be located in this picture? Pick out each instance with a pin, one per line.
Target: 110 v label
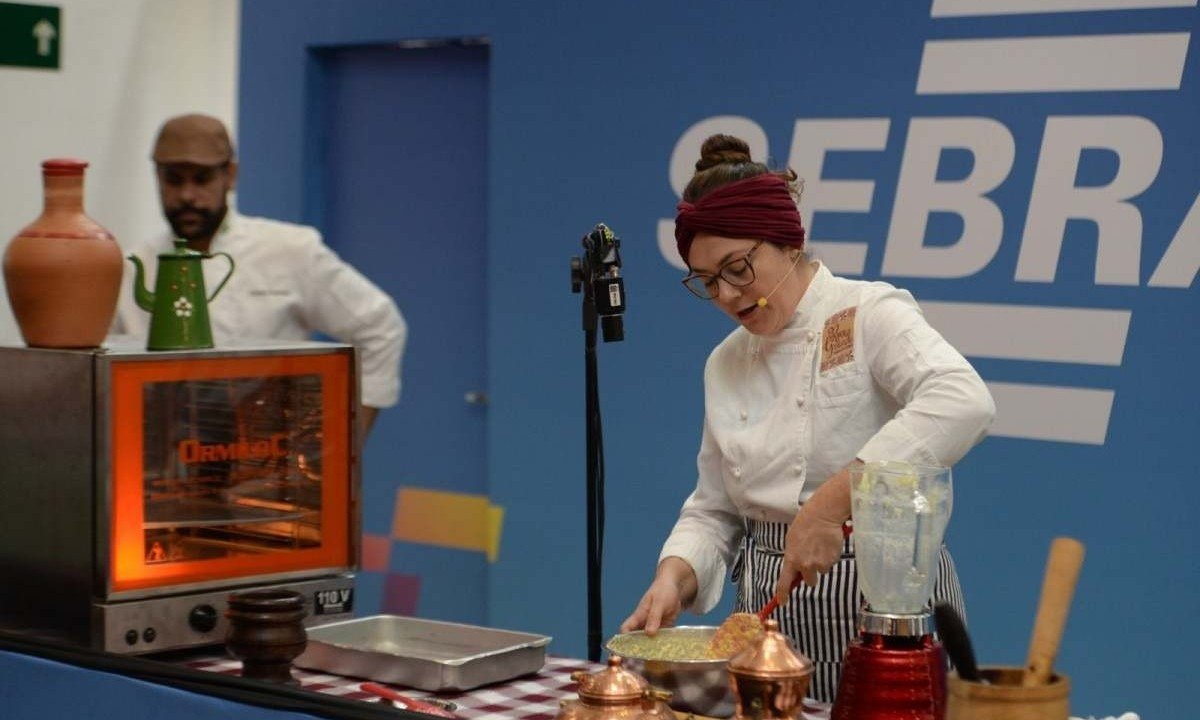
(333, 602)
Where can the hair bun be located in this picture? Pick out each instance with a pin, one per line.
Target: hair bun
(720, 149)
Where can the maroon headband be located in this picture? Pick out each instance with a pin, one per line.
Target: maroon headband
(759, 207)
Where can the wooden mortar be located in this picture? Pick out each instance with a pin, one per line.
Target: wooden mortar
(1005, 697)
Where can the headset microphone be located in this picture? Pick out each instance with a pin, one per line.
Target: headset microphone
(762, 301)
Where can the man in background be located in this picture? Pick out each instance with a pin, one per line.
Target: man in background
(287, 284)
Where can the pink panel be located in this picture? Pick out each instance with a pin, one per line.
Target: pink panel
(375, 552)
(400, 594)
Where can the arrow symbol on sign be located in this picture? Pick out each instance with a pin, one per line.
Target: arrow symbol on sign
(44, 32)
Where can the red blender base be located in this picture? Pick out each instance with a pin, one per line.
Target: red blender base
(890, 678)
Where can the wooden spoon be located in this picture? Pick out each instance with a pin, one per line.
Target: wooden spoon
(1058, 586)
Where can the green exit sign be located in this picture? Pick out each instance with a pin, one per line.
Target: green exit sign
(30, 35)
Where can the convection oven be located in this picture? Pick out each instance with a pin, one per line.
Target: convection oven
(137, 489)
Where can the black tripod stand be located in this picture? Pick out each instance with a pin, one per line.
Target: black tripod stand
(598, 274)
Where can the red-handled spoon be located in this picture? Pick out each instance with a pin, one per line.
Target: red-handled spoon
(773, 603)
(394, 698)
(740, 628)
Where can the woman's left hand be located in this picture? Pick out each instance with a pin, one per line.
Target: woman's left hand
(813, 545)
(814, 539)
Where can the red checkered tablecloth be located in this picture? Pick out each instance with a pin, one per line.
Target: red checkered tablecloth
(533, 697)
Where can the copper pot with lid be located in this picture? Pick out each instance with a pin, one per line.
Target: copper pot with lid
(769, 678)
(615, 693)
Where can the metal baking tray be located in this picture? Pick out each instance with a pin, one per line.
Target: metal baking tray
(423, 654)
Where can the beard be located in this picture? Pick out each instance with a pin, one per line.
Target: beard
(193, 224)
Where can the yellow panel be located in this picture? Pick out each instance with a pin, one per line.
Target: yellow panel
(456, 520)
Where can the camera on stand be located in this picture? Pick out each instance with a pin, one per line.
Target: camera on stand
(598, 273)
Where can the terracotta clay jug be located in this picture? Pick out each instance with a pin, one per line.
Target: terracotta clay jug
(63, 271)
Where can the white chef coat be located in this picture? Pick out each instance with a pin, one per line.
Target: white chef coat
(287, 285)
(857, 373)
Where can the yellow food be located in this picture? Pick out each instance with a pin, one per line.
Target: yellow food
(738, 631)
(669, 644)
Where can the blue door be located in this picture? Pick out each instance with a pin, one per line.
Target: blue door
(397, 182)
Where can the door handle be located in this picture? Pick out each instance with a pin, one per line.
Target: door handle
(476, 397)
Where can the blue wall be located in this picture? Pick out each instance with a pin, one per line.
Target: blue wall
(587, 105)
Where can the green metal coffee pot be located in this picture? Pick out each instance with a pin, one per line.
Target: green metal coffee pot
(179, 305)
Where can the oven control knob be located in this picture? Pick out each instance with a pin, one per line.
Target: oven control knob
(203, 618)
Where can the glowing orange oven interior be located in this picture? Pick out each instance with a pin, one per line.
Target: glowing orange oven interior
(228, 467)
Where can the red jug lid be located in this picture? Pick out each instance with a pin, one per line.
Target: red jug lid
(63, 166)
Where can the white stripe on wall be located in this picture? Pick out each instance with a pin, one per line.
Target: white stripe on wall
(1143, 61)
(1030, 332)
(1047, 412)
(959, 8)
(841, 257)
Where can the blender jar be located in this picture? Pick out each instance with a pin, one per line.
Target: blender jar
(900, 513)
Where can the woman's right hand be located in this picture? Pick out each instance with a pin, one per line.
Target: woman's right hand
(674, 586)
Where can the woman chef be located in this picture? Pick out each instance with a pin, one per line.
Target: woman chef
(821, 372)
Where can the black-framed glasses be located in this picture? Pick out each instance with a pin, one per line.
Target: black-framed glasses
(738, 272)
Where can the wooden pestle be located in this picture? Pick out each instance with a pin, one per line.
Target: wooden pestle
(1058, 586)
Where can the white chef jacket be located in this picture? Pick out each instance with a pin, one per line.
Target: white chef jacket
(287, 285)
(857, 373)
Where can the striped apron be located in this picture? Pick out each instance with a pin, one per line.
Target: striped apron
(821, 620)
